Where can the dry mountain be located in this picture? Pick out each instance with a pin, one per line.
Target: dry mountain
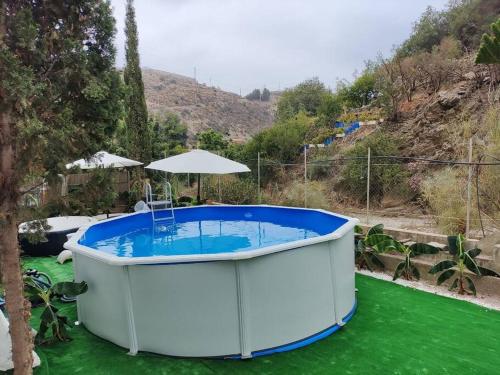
(202, 107)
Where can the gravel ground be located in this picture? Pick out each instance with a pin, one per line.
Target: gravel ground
(485, 301)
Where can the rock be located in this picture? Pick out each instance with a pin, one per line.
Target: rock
(470, 76)
(6, 346)
(450, 98)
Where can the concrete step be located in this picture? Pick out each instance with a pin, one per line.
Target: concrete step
(484, 285)
(489, 257)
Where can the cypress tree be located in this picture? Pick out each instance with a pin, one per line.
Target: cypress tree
(139, 140)
(59, 100)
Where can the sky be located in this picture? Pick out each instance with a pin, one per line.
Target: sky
(240, 45)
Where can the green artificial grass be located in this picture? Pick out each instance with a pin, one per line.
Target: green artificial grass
(396, 330)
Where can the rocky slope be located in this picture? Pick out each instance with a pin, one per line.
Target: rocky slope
(202, 107)
(439, 124)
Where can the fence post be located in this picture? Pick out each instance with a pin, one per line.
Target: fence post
(218, 187)
(305, 176)
(258, 178)
(469, 186)
(368, 187)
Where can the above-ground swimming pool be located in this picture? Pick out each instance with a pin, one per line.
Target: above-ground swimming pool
(220, 281)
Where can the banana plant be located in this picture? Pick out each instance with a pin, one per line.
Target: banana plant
(462, 261)
(368, 245)
(406, 268)
(51, 319)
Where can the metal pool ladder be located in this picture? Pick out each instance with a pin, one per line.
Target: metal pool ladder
(154, 204)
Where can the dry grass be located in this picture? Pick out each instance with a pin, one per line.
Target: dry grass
(445, 193)
(293, 195)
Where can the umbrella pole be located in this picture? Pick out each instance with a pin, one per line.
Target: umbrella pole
(198, 195)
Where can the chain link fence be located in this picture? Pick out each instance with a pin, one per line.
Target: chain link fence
(442, 196)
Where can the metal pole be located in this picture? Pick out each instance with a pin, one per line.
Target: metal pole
(368, 188)
(128, 180)
(258, 178)
(198, 194)
(305, 175)
(469, 185)
(220, 195)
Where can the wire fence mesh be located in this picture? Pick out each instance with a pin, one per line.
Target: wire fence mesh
(445, 196)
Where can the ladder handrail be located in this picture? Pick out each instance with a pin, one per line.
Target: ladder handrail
(167, 191)
(168, 196)
(148, 192)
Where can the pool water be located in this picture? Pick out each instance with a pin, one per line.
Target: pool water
(206, 230)
(200, 237)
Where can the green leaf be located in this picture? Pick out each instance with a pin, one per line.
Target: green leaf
(380, 242)
(69, 288)
(367, 262)
(31, 290)
(443, 265)
(358, 229)
(42, 331)
(384, 246)
(445, 276)
(415, 271)
(423, 248)
(399, 270)
(471, 264)
(474, 252)
(454, 284)
(376, 229)
(360, 246)
(376, 260)
(471, 285)
(487, 272)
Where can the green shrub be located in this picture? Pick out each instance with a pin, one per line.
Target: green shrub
(366, 115)
(321, 134)
(427, 32)
(320, 163)
(283, 141)
(96, 196)
(307, 96)
(387, 178)
(211, 140)
(234, 190)
(358, 93)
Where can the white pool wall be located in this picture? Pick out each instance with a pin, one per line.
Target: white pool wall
(233, 304)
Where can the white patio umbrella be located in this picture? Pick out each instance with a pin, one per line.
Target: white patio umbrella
(103, 159)
(198, 161)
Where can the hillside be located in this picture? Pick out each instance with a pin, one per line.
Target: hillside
(202, 107)
(438, 125)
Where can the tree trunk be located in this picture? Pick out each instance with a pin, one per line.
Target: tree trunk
(17, 306)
